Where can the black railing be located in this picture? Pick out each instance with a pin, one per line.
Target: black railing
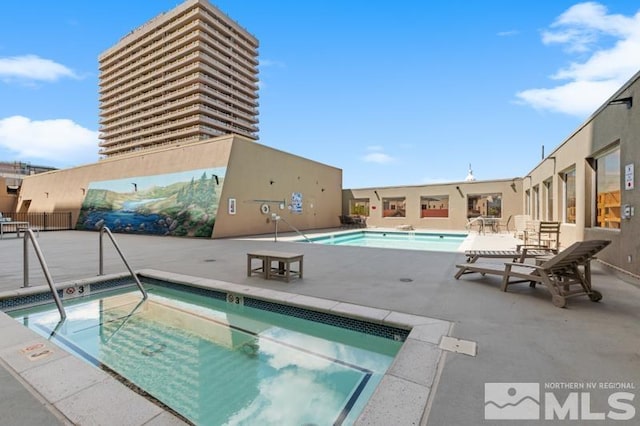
(56, 221)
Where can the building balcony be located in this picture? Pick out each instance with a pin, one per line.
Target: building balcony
(199, 51)
(132, 70)
(126, 120)
(169, 128)
(139, 45)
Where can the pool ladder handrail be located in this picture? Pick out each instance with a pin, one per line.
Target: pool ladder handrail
(29, 236)
(106, 230)
(277, 218)
(476, 219)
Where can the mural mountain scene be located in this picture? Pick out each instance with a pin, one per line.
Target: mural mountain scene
(186, 208)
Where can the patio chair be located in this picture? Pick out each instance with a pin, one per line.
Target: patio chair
(347, 221)
(521, 225)
(546, 234)
(565, 274)
(359, 221)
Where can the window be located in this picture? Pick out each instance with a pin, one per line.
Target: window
(527, 202)
(359, 207)
(548, 189)
(434, 206)
(569, 179)
(393, 207)
(608, 189)
(487, 205)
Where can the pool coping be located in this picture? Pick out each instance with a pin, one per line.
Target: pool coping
(79, 392)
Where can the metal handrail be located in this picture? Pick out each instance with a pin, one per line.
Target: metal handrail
(28, 235)
(476, 219)
(104, 229)
(277, 218)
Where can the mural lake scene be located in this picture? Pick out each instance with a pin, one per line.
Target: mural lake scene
(176, 204)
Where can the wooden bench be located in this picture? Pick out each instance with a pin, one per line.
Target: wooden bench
(281, 271)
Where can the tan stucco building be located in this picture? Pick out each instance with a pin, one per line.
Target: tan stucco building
(448, 206)
(588, 181)
(252, 182)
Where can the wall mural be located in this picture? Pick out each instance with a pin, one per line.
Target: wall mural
(177, 204)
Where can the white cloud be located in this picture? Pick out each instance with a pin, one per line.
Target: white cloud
(60, 142)
(271, 63)
(582, 25)
(579, 98)
(508, 33)
(602, 71)
(378, 157)
(31, 67)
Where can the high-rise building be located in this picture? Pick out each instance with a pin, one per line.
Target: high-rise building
(186, 75)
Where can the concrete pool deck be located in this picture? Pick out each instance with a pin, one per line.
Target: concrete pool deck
(520, 335)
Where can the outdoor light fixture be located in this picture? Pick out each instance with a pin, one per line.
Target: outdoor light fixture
(377, 195)
(217, 181)
(83, 190)
(135, 186)
(460, 191)
(627, 101)
(271, 182)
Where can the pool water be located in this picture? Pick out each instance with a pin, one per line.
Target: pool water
(396, 240)
(215, 362)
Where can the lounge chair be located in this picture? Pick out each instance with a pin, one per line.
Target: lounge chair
(519, 255)
(558, 273)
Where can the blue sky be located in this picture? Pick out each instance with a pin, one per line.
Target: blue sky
(403, 93)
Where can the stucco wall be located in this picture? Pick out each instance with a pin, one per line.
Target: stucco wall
(572, 155)
(7, 201)
(611, 125)
(64, 190)
(260, 175)
(458, 192)
(251, 168)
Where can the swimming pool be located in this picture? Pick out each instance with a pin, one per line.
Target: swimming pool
(396, 240)
(219, 358)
